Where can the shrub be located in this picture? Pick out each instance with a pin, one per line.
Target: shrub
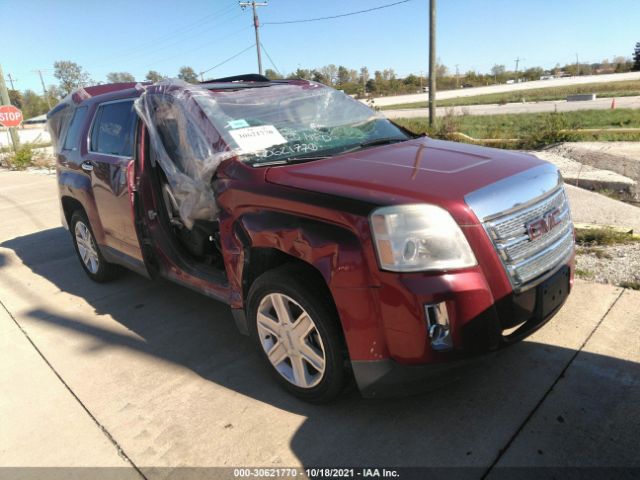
(551, 131)
(22, 158)
(446, 127)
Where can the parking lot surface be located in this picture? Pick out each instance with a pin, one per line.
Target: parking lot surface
(145, 374)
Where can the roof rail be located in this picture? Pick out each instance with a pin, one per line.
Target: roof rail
(247, 77)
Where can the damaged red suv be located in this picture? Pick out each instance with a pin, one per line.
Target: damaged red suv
(345, 246)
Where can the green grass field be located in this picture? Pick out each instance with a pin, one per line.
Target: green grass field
(527, 125)
(607, 90)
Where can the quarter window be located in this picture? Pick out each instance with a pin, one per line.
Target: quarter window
(73, 134)
(114, 128)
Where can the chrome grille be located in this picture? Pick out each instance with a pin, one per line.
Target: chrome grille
(525, 259)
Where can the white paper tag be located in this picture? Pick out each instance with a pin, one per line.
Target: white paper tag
(253, 139)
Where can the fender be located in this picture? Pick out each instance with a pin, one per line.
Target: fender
(335, 252)
(78, 187)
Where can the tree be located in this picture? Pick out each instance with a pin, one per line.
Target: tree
(342, 75)
(318, 76)
(498, 72)
(54, 94)
(70, 75)
(15, 98)
(271, 74)
(188, 74)
(34, 104)
(329, 73)
(364, 75)
(441, 70)
(636, 58)
(302, 74)
(120, 77)
(533, 73)
(153, 76)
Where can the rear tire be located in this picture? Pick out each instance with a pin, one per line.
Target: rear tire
(296, 330)
(92, 261)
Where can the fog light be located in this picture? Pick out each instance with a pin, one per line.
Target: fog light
(438, 326)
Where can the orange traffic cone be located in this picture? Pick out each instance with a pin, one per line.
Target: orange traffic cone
(613, 104)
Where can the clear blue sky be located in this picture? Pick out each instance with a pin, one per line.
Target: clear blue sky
(136, 36)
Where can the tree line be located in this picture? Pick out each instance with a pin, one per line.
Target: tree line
(359, 82)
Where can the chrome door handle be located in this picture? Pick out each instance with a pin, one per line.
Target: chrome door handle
(87, 166)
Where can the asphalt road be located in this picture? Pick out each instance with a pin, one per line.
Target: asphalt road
(148, 376)
(529, 107)
(471, 92)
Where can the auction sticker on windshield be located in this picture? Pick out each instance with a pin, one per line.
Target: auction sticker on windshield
(253, 139)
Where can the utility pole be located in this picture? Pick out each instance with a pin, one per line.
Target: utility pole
(517, 63)
(44, 89)
(256, 25)
(11, 81)
(432, 62)
(457, 77)
(4, 96)
(577, 66)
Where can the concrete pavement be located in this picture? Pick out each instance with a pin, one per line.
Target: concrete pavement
(520, 107)
(591, 207)
(151, 375)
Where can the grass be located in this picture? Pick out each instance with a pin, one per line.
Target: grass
(592, 237)
(534, 129)
(606, 90)
(597, 252)
(583, 273)
(633, 285)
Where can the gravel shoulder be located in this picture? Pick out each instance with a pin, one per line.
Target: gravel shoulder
(613, 264)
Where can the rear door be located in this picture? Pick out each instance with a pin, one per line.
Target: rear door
(110, 155)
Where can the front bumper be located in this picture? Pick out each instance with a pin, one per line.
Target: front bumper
(505, 322)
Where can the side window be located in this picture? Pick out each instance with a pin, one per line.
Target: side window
(113, 129)
(72, 142)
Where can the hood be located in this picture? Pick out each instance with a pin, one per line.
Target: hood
(422, 170)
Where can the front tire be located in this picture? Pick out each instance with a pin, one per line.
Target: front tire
(296, 329)
(92, 261)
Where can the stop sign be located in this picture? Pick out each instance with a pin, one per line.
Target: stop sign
(10, 116)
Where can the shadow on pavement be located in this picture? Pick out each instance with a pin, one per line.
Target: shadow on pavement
(465, 423)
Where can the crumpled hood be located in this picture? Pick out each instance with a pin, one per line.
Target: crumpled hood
(422, 170)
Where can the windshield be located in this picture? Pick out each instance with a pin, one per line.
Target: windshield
(291, 121)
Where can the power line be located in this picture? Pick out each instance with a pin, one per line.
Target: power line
(139, 53)
(172, 34)
(337, 16)
(271, 60)
(228, 59)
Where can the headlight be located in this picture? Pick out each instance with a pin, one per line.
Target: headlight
(415, 238)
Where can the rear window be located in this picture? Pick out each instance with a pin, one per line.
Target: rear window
(113, 129)
(73, 134)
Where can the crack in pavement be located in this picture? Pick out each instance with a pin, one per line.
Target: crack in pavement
(113, 441)
(503, 450)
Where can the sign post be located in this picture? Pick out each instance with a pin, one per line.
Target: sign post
(11, 113)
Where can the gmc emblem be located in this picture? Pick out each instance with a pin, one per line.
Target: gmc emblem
(538, 227)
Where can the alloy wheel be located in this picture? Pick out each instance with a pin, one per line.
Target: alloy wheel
(87, 247)
(291, 340)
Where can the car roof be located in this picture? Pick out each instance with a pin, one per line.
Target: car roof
(113, 91)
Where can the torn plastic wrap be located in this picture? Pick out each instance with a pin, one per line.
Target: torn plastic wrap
(59, 117)
(184, 144)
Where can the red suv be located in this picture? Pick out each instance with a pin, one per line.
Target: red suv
(344, 245)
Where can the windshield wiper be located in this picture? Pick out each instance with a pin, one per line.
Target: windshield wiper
(374, 143)
(286, 161)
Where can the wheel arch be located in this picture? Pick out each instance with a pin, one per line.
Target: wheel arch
(262, 241)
